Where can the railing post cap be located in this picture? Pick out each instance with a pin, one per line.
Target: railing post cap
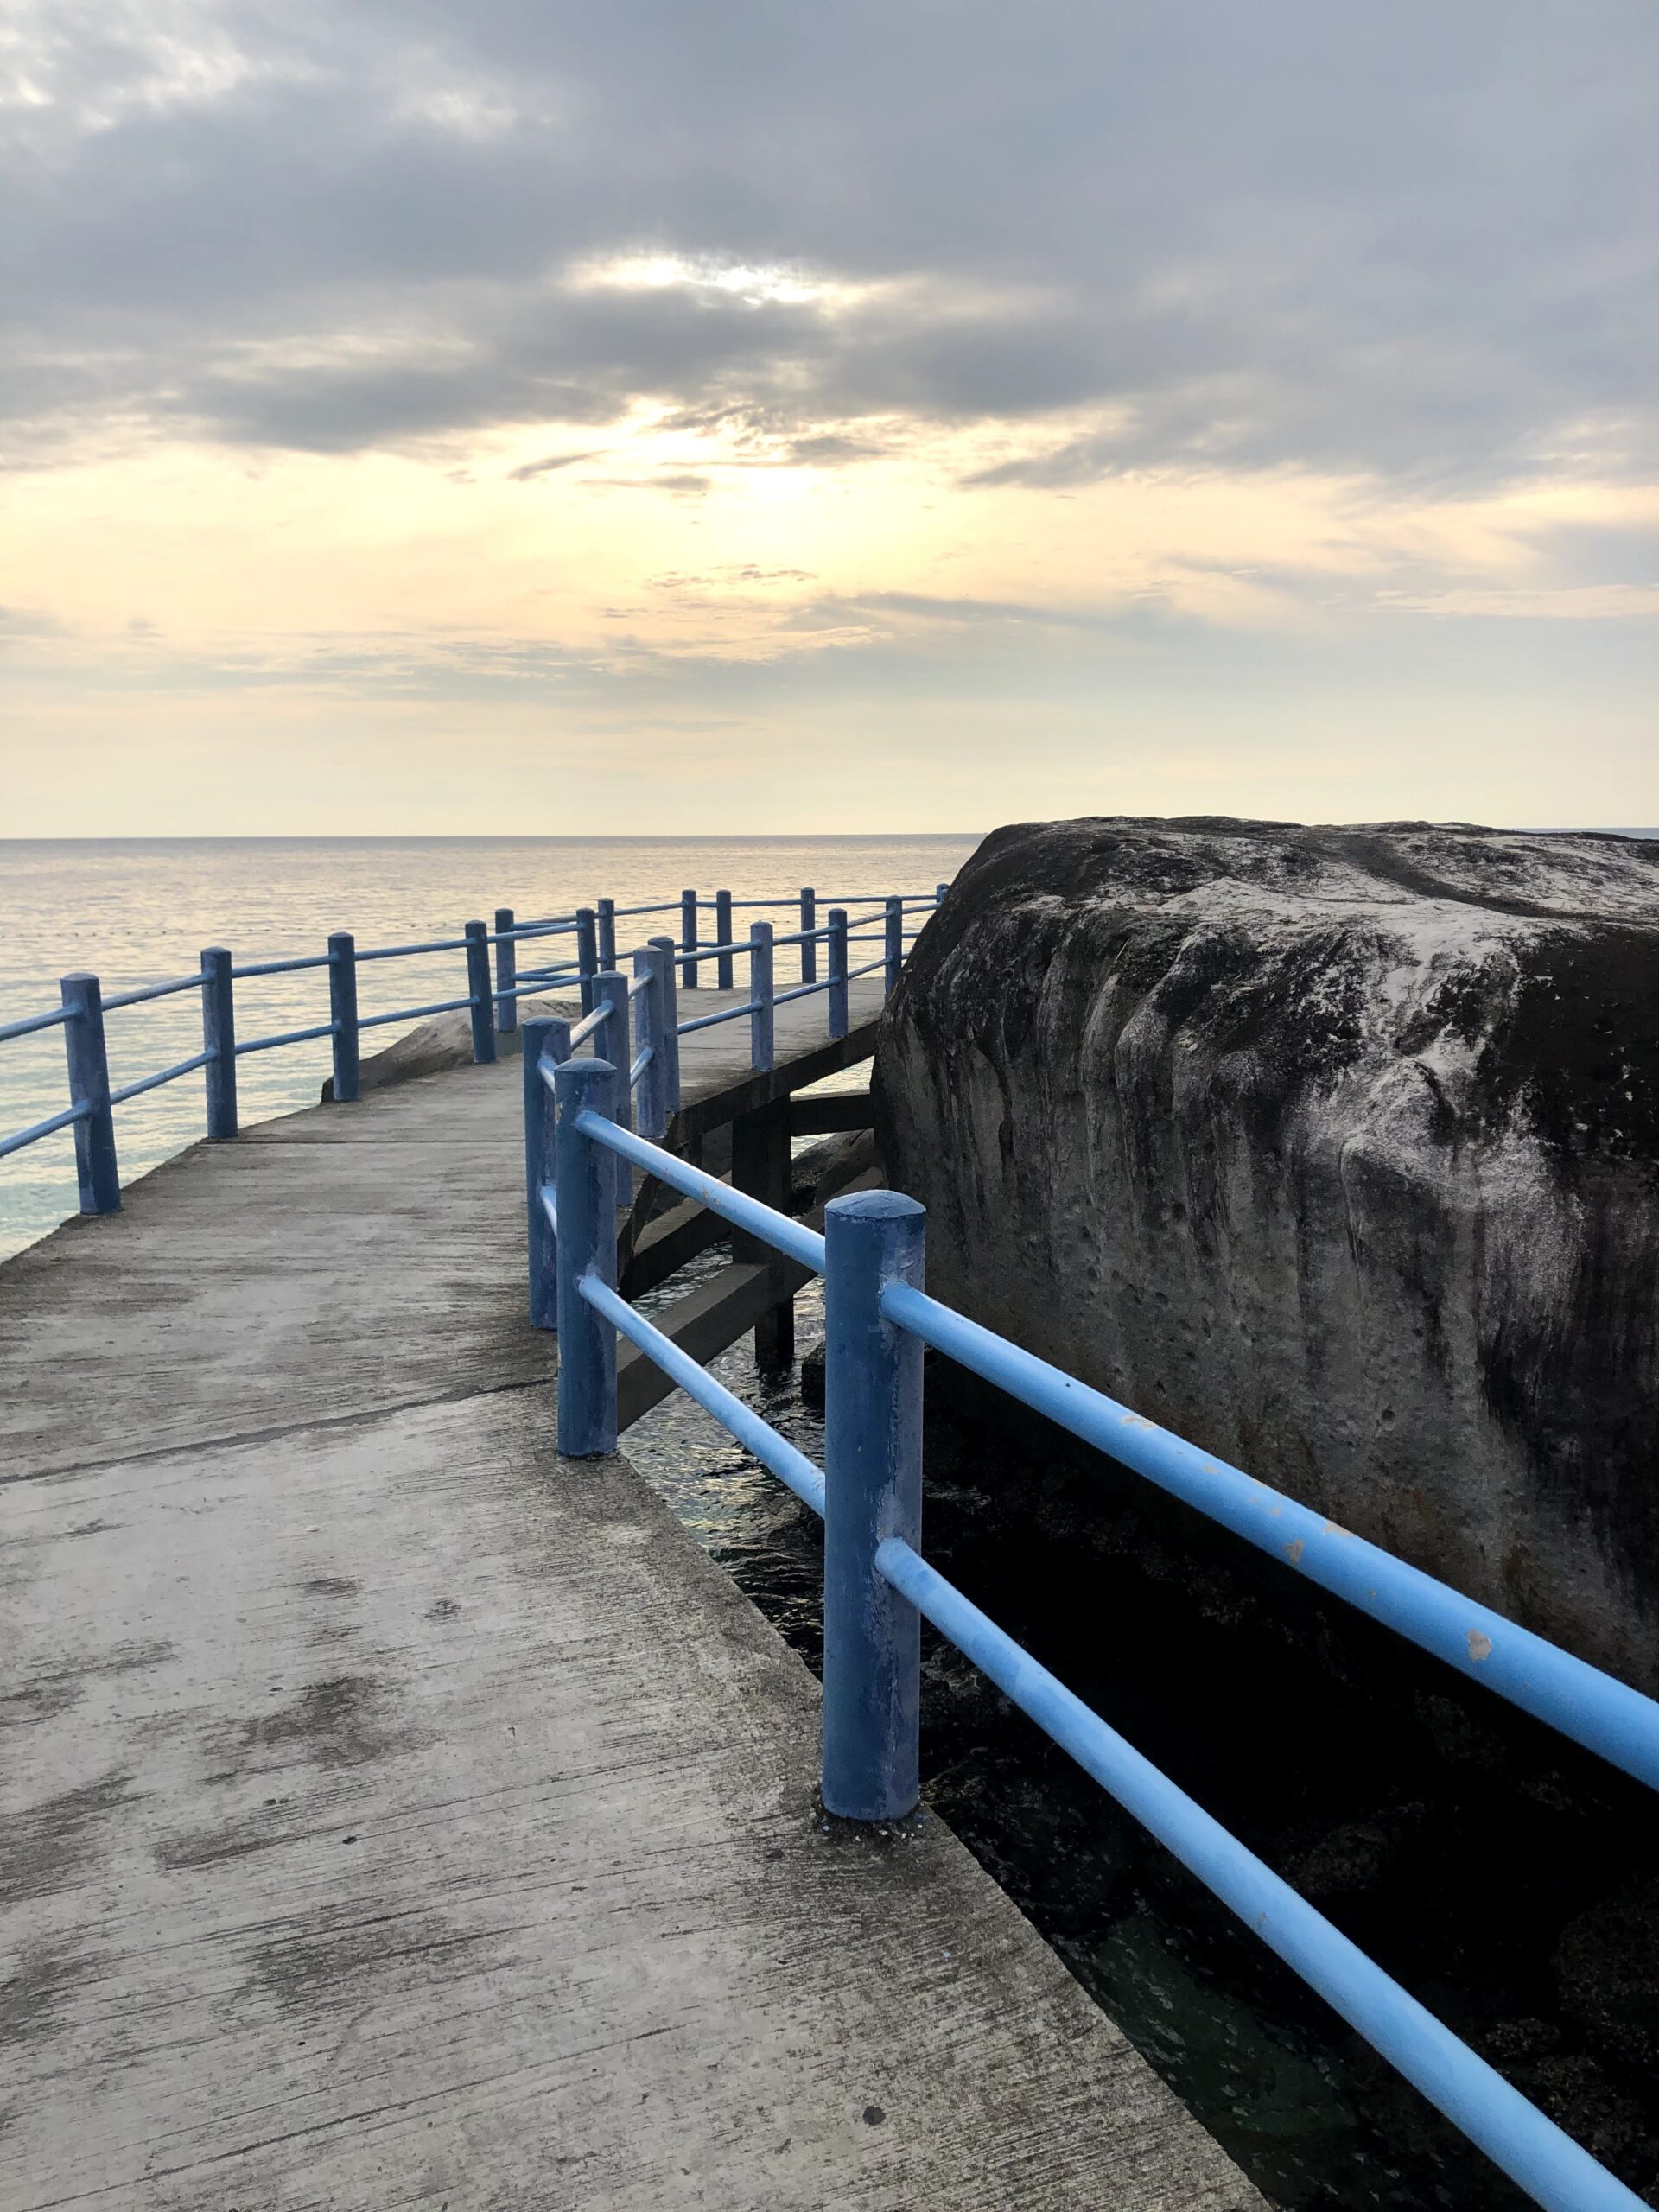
(873, 1205)
(79, 975)
(582, 1075)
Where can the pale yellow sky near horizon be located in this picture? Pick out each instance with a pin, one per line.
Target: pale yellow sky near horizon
(409, 642)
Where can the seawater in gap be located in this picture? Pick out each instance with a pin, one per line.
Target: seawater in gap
(1498, 1872)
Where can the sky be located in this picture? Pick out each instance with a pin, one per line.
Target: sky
(654, 417)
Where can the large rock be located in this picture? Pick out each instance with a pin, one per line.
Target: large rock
(1337, 1150)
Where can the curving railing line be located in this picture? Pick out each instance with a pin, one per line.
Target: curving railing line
(878, 1585)
(491, 1000)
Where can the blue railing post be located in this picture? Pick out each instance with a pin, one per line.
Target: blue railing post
(650, 1103)
(219, 1037)
(89, 1084)
(506, 972)
(761, 994)
(837, 992)
(939, 890)
(478, 991)
(873, 1489)
(606, 919)
(689, 935)
(895, 949)
(342, 1015)
(545, 1042)
(586, 1245)
(808, 923)
(723, 936)
(670, 1026)
(587, 954)
(613, 1041)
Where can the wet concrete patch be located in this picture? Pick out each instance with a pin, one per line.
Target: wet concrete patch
(44, 1847)
(214, 1847)
(334, 1968)
(345, 1721)
(29, 1999)
(53, 1690)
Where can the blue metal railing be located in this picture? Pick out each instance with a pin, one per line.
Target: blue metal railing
(878, 1586)
(492, 1003)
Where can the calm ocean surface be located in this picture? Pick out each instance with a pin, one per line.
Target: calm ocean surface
(136, 911)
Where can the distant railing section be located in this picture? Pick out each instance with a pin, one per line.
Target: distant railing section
(878, 1586)
(589, 963)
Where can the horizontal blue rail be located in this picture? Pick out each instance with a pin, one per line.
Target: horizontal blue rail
(535, 983)
(590, 1025)
(413, 951)
(294, 967)
(51, 1019)
(295, 1037)
(756, 1436)
(167, 1075)
(811, 991)
(712, 1020)
(153, 991)
(558, 925)
(54, 1122)
(1606, 1716)
(870, 1493)
(790, 1237)
(402, 1014)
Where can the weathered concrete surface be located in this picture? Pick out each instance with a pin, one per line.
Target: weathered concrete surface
(1337, 1150)
(395, 1815)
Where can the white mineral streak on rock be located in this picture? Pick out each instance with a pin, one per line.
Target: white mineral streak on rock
(1335, 1150)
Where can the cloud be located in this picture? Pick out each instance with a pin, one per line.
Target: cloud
(549, 466)
(1405, 242)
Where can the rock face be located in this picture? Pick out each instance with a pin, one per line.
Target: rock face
(1335, 1150)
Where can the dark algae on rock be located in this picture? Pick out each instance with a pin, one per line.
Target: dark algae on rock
(1336, 1150)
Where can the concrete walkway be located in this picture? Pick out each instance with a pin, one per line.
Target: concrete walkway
(393, 1814)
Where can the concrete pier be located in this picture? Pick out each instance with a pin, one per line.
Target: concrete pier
(393, 1814)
